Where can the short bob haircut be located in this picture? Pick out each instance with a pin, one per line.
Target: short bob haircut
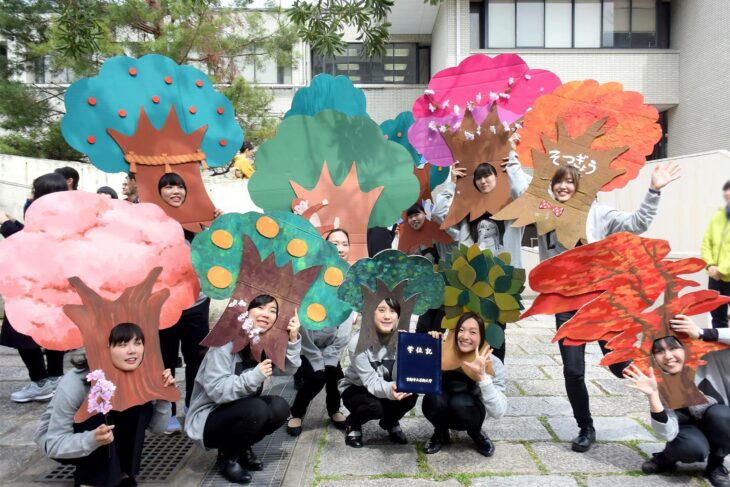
(415, 209)
(49, 183)
(125, 332)
(563, 173)
(69, 173)
(393, 304)
(665, 343)
(261, 300)
(171, 179)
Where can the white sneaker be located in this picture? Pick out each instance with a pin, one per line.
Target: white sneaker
(34, 391)
(173, 426)
(55, 381)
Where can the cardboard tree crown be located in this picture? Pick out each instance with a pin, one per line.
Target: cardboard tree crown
(242, 256)
(410, 280)
(85, 263)
(328, 92)
(602, 131)
(626, 291)
(151, 116)
(467, 116)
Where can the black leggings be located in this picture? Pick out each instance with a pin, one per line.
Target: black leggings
(719, 314)
(37, 368)
(574, 370)
(107, 464)
(364, 407)
(460, 411)
(186, 334)
(313, 382)
(709, 435)
(237, 425)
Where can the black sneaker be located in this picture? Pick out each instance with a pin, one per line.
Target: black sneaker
(717, 476)
(483, 444)
(585, 439)
(232, 470)
(396, 435)
(658, 463)
(353, 437)
(249, 460)
(433, 445)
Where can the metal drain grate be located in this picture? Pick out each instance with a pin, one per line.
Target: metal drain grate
(275, 450)
(162, 456)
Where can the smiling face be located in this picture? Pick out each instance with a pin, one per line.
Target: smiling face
(669, 355)
(127, 356)
(416, 220)
(564, 183)
(341, 241)
(173, 195)
(468, 338)
(263, 317)
(385, 318)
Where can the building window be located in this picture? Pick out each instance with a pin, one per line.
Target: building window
(45, 74)
(509, 24)
(660, 149)
(256, 66)
(403, 63)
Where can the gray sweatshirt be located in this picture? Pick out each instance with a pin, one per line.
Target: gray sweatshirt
(711, 376)
(373, 370)
(323, 348)
(491, 391)
(512, 238)
(217, 383)
(55, 434)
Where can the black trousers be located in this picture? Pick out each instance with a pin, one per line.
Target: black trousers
(237, 425)
(710, 435)
(39, 367)
(313, 382)
(107, 464)
(187, 334)
(460, 411)
(365, 407)
(719, 314)
(430, 321)
(574, 370)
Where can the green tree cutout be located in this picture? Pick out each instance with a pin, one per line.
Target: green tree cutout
(484, 284)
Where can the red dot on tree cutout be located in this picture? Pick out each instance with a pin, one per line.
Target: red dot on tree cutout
(399, 134)
(223, 142)
(92, 101)
(193, 110)
(91, 139)
(168, 80)
(385, 136)
(133, 71)
(199, 83)
(221, 111)
(122, 113)
(155, 99)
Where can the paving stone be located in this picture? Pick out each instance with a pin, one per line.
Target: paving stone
(616, 387)
(539, 406)
(389, 482)
(656, 447)
(607, 429)
(620, 406)
(463, 458)
(544, 338)
(542, 349)
(522, 480)
(14, 459)
(592, 371)
(18, 433)
(531, 331)
(641, 481)
(372, 459)
(602, 458)
(553, 387)
(516, 429)
(511, 360)
(525, 372)
(512, 389)
(10, 409)
(416, 429)
(14, 373)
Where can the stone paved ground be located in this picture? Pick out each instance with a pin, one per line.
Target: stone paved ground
(532, 440)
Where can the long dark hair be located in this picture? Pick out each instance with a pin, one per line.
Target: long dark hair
(460, 323)
(483, 170)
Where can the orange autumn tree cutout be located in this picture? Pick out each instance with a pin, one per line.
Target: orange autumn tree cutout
(628, 133)
(627, 292)
(97, 316)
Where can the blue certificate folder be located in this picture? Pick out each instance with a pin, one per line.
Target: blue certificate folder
(419, 364)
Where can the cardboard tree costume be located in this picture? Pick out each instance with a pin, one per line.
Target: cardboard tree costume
(151, 116)
(616, 285)
(601, 130)
(410, 280)
(331, 164)
(429, 176)
(242, 256)
(85, 263)
(481, 283)
(467, 116)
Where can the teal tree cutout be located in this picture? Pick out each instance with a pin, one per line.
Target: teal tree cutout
(329, 93)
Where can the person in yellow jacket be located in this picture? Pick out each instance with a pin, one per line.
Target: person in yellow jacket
(716, 253)
(243, 165)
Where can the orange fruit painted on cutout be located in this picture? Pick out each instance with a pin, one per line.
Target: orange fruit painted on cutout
(267, 227)
(222, 239)
(316, 312)
(219, 277)
(297, 247)
(333, 276)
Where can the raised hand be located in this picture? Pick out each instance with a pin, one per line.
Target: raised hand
(167, 378)
(640, 381)
(480, 363)
(293, 327)
(664, 174)
(266, 368)
(684, 324)
(457, 172)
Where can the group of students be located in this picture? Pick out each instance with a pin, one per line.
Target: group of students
(225, 408)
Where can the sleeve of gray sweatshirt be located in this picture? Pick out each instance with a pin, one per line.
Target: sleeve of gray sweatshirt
(293, 358)
(371, 380)
(492, 391)
(314, 354)
(55, 434)
(219, 381)
(669, 430)
(333, 352)
(638, 222)
(519, 180)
